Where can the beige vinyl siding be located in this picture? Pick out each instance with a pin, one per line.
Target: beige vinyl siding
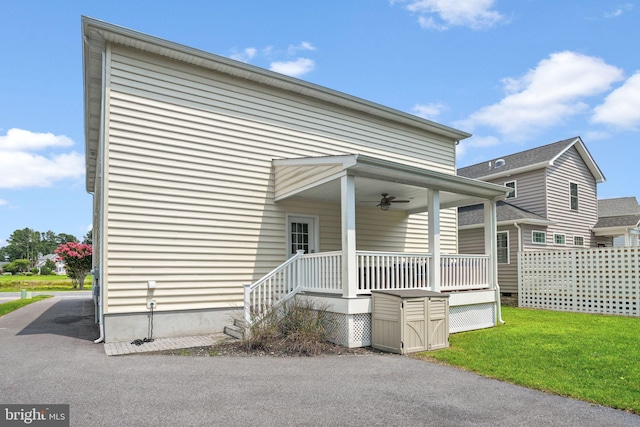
(530, 192)
(571, 168)
(189, 200)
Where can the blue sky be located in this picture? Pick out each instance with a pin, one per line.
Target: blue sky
(516, 74)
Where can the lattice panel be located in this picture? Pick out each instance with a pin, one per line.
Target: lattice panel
(470, 317)
(602, 280)
(351, 330)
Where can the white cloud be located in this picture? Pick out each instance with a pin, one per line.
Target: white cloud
(246, 55)
(475, 14)
(429, 111)
(621, 108)
(293, 68)
(304, 46)
(21, 168)
(555, 90)
(3, 202)
(619, 10)
(24, 140)
(475, 142)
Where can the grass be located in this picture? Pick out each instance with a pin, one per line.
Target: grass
(39, 283)
(584, 356)
(10, 306)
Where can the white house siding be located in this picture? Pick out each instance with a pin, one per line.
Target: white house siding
(188, 200)
(571, 168)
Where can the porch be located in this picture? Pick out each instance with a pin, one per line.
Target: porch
(343, 279)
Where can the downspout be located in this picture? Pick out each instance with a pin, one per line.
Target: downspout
(101, 201)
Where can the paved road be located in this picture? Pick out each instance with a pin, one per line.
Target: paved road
(48, 356)
(10, 296)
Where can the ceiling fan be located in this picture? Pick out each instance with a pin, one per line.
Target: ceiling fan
(385, 202)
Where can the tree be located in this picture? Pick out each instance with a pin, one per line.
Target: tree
(77, 259)
(88, 238)
(17, 266)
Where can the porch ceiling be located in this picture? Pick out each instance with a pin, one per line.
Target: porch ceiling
(318, 178)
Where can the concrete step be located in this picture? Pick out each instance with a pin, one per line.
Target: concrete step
(237, 330)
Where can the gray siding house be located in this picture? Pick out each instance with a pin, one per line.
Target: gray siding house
(219, 187)
(553, 204)
(618, 222)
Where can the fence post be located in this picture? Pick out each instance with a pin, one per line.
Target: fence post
(247, 303)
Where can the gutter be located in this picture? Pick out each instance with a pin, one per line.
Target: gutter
(100, 282)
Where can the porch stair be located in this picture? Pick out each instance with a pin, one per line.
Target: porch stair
(238, 330)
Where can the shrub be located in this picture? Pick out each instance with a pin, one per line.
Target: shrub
(34, 270)
(296, 327)
(45, 271)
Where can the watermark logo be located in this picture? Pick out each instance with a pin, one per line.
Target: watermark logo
(34, 415)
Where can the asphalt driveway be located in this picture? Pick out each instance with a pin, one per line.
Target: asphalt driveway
(48, 356)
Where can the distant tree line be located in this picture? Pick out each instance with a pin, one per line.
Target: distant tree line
(28, 244)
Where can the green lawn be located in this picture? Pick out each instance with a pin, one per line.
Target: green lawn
(585, 356)
(39, 283)
(10, 306)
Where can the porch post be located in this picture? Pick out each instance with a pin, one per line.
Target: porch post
(490, 240)
(434, 239)
(348, 215)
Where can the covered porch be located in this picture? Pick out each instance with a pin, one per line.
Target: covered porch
(343, 279)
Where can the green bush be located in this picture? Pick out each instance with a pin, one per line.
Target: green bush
(45, 271)
(35, 271)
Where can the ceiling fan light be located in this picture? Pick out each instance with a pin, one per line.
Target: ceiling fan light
(385, 206)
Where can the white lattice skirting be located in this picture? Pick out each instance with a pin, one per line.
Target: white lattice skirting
(354, 330)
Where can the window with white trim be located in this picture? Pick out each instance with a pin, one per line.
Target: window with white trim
(503, 247)
(513, 193)
(559, 239)
(578, 241)
(539, 237)
(573, 198)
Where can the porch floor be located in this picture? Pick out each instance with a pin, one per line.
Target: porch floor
(160, 344)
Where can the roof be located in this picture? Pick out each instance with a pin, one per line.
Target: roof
(97, 34)
(506, 213)
(618, 207)
(371, 175)
(535, 158)
(626, 221)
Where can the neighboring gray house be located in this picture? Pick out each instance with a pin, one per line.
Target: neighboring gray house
(618, 222)
(553, 204)
(60, 266)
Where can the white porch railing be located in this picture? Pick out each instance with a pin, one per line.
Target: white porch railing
(322, 273)
(385, 270)
(464, 272)
(277, 286)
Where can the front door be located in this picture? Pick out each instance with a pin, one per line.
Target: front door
(301, 235)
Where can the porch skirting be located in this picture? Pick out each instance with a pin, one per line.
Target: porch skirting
(351, 318)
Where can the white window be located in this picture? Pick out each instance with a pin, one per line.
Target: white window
(578, 240)
(503, 247)
(514, 193)
(559, 239)
(539, 237)
(302, 234)
(573, 198)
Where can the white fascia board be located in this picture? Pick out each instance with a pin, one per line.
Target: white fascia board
(512, 222)
(586, 158)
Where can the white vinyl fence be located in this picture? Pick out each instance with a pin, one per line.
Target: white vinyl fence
(598, 280)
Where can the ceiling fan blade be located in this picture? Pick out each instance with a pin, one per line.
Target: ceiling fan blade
(400, 201)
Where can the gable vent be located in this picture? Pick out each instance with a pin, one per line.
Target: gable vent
(499, 163)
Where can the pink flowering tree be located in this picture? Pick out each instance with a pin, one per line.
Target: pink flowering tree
(77, 260)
